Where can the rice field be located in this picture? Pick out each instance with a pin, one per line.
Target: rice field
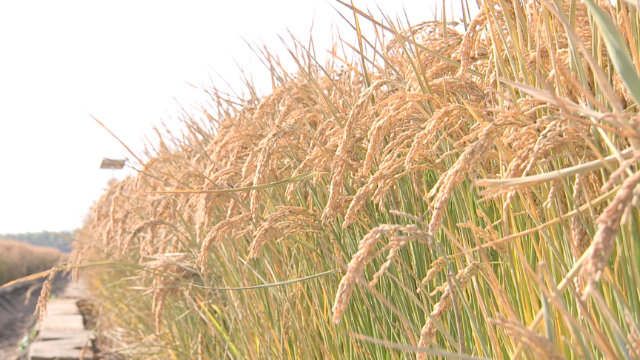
(18, 259)
(437, 190)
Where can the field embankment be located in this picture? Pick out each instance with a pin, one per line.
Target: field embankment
(457, 190)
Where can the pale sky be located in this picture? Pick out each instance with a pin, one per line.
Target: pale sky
(124, 62)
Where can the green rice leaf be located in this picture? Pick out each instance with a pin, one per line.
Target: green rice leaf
(617, 49)
(418, 350)
(248, 188)
(264, 286)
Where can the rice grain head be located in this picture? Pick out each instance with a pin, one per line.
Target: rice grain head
(366, 249)
(608, 227)
(436, 266)
(535, 342)
(444, 304)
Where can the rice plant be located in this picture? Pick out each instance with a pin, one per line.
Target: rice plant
(438, 190)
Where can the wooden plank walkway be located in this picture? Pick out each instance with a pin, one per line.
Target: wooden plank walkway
(16, 313)
(62, 335)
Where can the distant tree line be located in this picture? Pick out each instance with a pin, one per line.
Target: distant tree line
(62, 243)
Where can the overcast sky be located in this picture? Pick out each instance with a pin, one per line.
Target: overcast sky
(123, 62)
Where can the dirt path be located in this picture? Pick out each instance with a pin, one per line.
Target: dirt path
(16, 312)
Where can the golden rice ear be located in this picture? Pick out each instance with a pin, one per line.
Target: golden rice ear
(436, 266)
(217, 232)
(366, 250)
(608, 227)
(387, 172)
(284, 221)
(580, 239)
(533, 341)
(345, 151)
(268, 145)
(444, 304)
(356, 266)
(441, 191)
(634, 335)
(45, 293)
